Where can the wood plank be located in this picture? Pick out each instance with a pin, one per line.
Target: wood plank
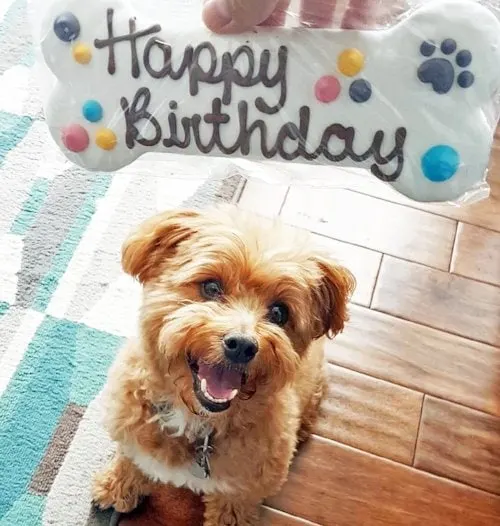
(271, 517)
(370, 414)
(460, 443)
(363, 263)
(334, 485)
(264, 198)
(373, 223)
(420, 358)
(477, 254)
(439, 299)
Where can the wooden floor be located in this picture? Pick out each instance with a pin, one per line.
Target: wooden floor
(410, 431)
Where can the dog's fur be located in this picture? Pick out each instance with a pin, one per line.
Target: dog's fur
(258, 262)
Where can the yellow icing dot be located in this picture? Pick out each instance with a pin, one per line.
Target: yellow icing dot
(350, 62)
(105, 139)
(82, 53)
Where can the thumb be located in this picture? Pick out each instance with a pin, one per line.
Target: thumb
(236, 16)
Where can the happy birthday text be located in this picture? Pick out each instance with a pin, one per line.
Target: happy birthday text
(243, 68)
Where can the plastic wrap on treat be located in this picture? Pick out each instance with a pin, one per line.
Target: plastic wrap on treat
(412, 103)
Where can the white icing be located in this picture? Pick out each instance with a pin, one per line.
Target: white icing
(460, 118)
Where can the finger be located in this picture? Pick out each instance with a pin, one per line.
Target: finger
(317, 13)
(236, 16)
(278, 17)
(360, 14)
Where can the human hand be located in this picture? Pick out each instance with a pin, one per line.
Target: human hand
(237, 16)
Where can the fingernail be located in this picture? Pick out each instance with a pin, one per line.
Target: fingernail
(216, 14)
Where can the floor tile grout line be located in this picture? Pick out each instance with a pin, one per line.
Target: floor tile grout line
(312, 230)
(376, 280)
(434, 213)
(242, 189)
(453, 247)
(407, 320)
(484, 342)
(458, 274)
(288, 514)
(412, 389)
(424, 397)
(357, 245)
(377, 378)
(284, 200)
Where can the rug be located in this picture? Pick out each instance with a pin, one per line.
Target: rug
(65, 305)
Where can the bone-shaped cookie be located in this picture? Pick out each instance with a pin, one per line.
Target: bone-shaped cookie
(413, 104)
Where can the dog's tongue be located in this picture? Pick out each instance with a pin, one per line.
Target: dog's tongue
(220, 381)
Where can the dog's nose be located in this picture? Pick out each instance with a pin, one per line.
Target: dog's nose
(239, 348)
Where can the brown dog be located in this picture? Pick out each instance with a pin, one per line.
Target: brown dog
(226, 376)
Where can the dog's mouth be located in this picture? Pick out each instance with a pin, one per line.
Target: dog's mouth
(216, 385)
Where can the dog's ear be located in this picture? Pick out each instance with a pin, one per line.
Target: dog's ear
(155, 240)
(331, 296)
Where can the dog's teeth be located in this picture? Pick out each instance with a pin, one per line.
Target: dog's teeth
(204, 390)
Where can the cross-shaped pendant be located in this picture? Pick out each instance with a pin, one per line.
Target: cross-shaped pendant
(200, 468)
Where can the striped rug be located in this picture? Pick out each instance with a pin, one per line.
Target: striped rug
(65, 305)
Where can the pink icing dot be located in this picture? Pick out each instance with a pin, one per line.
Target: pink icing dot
(327, 88)
(75, 138)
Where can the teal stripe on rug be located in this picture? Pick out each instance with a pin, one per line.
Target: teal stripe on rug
(27, 511)
(29, 58)
(4, 307)
(16, 10)
(50, 281)
(63, 359)
(13, 129)
(30, 207)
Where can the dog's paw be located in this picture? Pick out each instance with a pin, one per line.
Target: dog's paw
(222, 512)
(109, 492)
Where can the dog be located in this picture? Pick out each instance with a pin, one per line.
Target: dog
(227, 374)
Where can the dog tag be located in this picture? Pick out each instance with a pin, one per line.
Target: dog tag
(200, 468)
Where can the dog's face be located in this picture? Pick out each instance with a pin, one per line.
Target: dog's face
(231, 303)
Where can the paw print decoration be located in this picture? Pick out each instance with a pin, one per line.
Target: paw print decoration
(441, 68)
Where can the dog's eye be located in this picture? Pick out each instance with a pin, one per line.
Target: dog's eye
(211, 289)
(278, 314)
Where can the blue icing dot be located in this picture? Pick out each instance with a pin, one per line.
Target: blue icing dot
(92, 111)
(67, 27)
(440, 163)
(427, 48)
(360, 90)
(465, 79)
(464, 58)
(448, 46)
